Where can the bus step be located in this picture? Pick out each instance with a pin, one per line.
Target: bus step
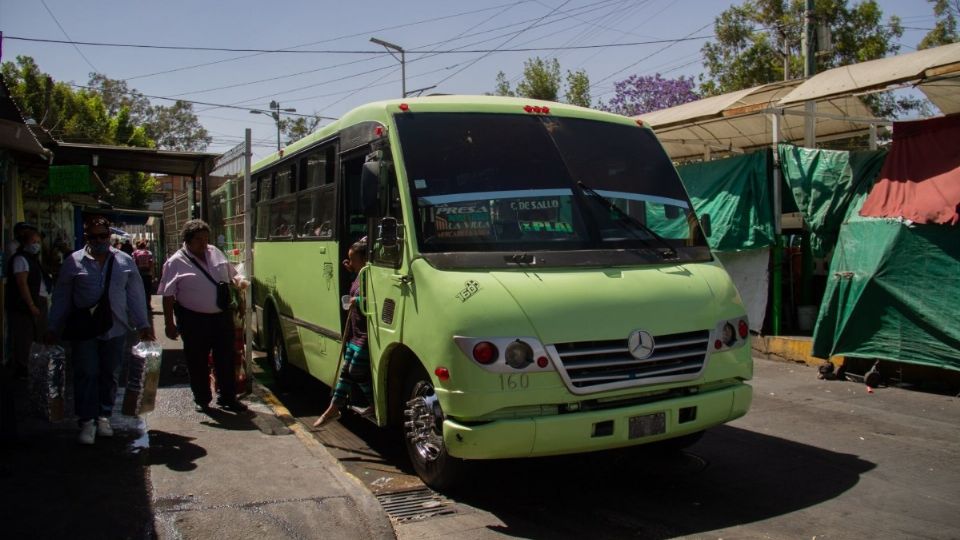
(366, 412)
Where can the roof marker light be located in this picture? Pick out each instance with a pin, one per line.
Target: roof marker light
(639, 122)
(528, 108)
(546, 110)
(404, 107)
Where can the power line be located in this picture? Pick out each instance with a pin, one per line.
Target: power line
(511, 38)
(366, 52)
(658, 51)
(54, 17)
(345, 36)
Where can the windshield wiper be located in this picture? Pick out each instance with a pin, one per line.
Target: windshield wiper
(668, 252)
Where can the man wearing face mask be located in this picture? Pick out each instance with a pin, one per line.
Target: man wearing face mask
(84, 277)
(26, 295)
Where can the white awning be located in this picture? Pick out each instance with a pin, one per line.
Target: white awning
(921, 67)
(740, 120)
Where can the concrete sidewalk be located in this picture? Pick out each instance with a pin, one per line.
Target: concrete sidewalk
(176, 473)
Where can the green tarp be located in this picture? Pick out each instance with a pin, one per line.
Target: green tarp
(736, 194)
(825, 184)
(892, 293)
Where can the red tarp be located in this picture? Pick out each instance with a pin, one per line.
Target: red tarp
(920, 180)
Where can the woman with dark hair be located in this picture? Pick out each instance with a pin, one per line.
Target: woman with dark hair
(189, 286)
(26, 295)
(144, 260)
(95, 272)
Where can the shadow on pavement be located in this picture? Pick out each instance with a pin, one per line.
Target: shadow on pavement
(53, 487)
(732, 477)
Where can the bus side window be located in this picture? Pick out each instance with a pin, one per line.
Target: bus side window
(282, 217)
(316, 204)
(317, 210)
(263, 222)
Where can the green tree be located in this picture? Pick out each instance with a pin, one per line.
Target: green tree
(173, 127)
(760, 39)
(945, 30)
(297, 128)
(578, 88)
(84, 115)
(541, 80)
(177, 128)
(503, 86)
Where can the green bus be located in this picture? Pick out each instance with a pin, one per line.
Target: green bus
(538, 282)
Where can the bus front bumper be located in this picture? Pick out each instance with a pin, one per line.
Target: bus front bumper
(596, 430)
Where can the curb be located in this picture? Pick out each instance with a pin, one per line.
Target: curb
(790, 349)
(373, 514)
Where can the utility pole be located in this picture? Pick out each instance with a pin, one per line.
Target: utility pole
(275, 111)
(809, 70)
(403, 61)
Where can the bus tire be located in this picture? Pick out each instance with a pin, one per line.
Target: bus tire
(676, 444)
(277, 355)
(423, 433)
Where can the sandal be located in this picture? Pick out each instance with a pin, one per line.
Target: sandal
(326, 419)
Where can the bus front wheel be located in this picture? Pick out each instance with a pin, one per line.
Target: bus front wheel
(423, 433)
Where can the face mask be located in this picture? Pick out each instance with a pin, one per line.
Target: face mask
(33, 249)
(96, 248)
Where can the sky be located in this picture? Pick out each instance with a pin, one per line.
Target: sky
(332, 66)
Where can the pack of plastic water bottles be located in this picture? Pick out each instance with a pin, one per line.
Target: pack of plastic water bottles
(143, 378)
(47, 380)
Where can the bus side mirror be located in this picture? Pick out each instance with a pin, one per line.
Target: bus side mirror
(705, 225)
(370, 188)
(388, 232)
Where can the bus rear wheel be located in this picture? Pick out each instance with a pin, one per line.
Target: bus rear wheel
(277, 355)
(423, 434)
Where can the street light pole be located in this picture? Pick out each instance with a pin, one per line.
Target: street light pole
(275, 111)
(403, 61)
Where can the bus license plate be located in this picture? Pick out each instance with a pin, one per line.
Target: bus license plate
(647, 425)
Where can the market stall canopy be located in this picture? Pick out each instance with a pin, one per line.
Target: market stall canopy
(920, 179)
(129, 158)
(934, 71)
(740, 120)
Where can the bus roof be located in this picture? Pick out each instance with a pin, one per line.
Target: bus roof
(376, 111)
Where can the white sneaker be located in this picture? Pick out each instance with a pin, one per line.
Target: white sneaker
(88, 432)
(104, 429)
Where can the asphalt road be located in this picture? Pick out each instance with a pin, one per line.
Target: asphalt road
(812, 459)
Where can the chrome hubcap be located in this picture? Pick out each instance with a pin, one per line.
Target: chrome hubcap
(424, 423)
(277, 351)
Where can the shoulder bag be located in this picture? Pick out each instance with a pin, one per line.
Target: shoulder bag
(90, 322)
(225, 300)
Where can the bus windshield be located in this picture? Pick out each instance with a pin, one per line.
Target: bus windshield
(515, 183)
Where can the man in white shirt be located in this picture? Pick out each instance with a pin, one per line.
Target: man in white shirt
(189, 288)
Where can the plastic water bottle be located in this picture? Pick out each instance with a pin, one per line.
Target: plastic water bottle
(141, 394)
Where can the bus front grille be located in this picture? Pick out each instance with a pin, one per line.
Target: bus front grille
(595, 366)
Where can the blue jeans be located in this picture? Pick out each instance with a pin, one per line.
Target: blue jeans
(96, 366)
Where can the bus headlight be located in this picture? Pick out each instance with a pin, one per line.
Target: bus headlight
(506, 354)
(730, 334)
(519, 355)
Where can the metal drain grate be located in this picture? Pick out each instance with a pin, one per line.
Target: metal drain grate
(415, 505)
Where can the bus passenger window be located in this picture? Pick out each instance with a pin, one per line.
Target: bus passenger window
(318, 168)
(282, 218)
(263, 222)
(284, 181)
(317, 213)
